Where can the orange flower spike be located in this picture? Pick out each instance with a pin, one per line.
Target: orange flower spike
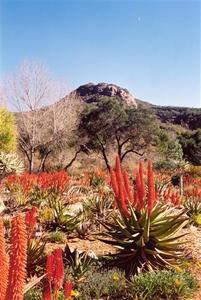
(18, 259)
(114, 183)
(122, 198)
(141, 174)
(31, 220)
(127, 185)
(151, 188)
(136, 202)
(139, 193)
(4, 265)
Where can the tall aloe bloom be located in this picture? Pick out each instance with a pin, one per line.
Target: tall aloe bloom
(55, 273)
(59, 269)
(3, 263)
(121, 197)
(18, 259)
(151, 189)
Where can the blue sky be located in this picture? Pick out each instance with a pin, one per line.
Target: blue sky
(150, 47)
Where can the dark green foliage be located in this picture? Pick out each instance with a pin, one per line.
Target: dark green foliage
(109, 122)
(167, 165)
(191, 145)
(184, 116)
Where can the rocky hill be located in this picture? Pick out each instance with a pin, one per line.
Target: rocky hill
(189, 118)
(92, 92)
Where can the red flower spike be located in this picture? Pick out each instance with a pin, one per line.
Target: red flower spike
(151, 189)
(139, 193)
(4, 265)
(18, 258)
(31, 220)
(58, 277)
(122, 198)
(141, 174)
(127, 185)
(68, 287)
(50, 267)
(114, 183)
(47, 295)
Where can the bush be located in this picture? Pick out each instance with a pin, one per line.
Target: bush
(164, 284)
(33, 294)
(7, 131)
(57, 237)
(107, 284)
(167, 165)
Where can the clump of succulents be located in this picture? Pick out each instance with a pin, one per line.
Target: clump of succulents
(10, 163)
(145, 232)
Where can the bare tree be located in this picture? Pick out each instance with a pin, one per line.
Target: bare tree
(29, 91)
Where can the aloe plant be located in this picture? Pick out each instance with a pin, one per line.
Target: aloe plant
(145, 233)
(9, 163)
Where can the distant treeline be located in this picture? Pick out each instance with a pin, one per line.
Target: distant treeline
(184, 116)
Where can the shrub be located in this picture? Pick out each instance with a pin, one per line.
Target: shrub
(9, 163)
(61, 217)
(57, 237)
(7, 131)
(33, 294)
(107, 284)
(166, 284)
(78, 263)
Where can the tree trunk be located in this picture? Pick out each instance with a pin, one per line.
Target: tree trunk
(72, 160)
(105, 159)
(42, 163)
(31, 161)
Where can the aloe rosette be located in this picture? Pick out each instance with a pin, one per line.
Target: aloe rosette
(145, 232)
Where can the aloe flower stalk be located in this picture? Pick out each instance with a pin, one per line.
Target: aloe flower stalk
(151, 189)
(68, 287)
(31, 221)
(47, 295)
(127, 185)
(50, 267)
(121, 198)
(142, 186)
(114, 183)
(58, 270)
(3, 263)
(18, 259)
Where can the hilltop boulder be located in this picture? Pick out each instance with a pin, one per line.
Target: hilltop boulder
(92, 92)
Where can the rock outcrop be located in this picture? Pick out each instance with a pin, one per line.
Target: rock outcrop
(92, 92)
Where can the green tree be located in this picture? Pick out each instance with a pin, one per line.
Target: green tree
(7, 131)
(109, 122)
(191, 145)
